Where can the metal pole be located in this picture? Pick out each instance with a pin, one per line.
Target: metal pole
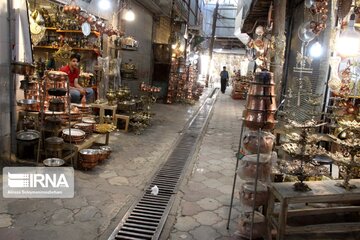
(236, 167)
(212, 39)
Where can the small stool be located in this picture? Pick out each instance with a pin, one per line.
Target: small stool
(122, 117)
(102, 108)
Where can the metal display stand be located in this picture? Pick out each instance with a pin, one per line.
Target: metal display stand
(259, 119)
(235, 174)
(42, 114)
(239, 157)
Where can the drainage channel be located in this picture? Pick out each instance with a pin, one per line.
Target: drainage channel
(147, 217)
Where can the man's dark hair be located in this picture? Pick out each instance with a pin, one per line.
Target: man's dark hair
(75, 55)
(224, 67)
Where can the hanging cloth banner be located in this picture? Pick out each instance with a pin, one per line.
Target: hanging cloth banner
(22, 51)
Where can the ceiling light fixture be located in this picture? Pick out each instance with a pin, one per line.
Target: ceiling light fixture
(129, 15)
(104, 4)
(348, 43)
(316, 50)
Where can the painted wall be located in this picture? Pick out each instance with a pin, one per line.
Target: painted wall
(141, 29)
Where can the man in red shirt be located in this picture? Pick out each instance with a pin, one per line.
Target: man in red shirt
(76, 90)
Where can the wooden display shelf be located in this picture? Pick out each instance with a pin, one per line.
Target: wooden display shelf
(129, 48)
(73, 149)
(321, 192)
(354, 97)
(56, 48)
(75, 31)
(102, 107)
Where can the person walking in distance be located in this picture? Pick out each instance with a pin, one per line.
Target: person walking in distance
(224, 77)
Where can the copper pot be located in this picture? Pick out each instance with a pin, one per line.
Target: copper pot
(107, 150)
(252, 140)
(262, 90)
(29, 104)
(264, 77)
(28, 85)
(54, 144)
(259, 119)
(249, 169)
(57, 105)
(53, 123)
(257, 229)
(89, 158)
(247, 194)
(57, 92)
(261, 103)
(22, 68)
(102, 155)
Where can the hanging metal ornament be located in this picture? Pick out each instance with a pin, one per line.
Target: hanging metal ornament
(309, 3)
(305, 32)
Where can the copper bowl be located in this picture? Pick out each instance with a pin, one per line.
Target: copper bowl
(57, 76)
(107, 150)
(29, 104)
(252, 142)
(53, 162)
(261, 90)
(263, 103)
(86, 127)
(73, 135)
(56, 105)
(264, 77)
(259, 116)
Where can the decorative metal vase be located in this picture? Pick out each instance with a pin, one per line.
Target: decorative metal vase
(111, 96)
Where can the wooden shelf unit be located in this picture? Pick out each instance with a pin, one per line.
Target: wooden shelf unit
(321, 192)
(73, 48)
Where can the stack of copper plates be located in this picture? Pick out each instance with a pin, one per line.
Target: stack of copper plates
(86, 127)
(73, 135)
(261, 102)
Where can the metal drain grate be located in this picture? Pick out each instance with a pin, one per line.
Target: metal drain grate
(147, 217)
